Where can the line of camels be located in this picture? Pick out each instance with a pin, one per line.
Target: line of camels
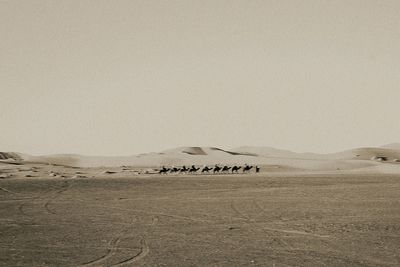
(206, 170)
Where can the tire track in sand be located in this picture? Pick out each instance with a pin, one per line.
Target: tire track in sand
(255, 227)
(6, 190)
(241, 215)
(262, 210)
(111, 250)
(56, 194)
(21, 207)
(143, 253)
(154, 213)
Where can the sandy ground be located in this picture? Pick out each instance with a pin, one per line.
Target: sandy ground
(125, 219)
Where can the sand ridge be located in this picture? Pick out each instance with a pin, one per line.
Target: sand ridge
(359, 159)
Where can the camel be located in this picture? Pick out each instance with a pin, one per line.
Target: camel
(217, 168)
(174, 169)
(236, 168)
(193, 169)
(247, 168)
(184, 169)
(163, 170)
(225, 169)
(206, 169)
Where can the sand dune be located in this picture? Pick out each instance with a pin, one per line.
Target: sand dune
(354, 159)
(394, 146)
(10, 156)
(369, 153)
(264, 151)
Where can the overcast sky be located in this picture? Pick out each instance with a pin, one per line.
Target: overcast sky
(126, 77)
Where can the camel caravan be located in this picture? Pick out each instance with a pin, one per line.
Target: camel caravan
(216, 169)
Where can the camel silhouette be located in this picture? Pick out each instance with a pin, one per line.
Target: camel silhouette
(174, 170)
(184, 169)
(217, 168)
(236, 168)
(247, 168)
(193, 169)
(206, 169)
(163, 170)
(225, 169)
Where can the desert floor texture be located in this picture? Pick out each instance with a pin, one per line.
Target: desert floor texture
(266, 219)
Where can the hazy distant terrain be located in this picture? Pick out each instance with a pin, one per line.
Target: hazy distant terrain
(360, 159)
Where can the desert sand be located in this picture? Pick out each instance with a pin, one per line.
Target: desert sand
(301, 209)
(354, 159)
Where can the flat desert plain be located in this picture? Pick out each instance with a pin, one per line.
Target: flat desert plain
(265, 219)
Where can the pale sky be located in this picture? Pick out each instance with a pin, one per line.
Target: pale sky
(126, 77)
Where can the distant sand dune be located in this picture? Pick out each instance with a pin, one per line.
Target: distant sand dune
(194, 151)
(369, 153)
(10, 156)
(359, 159)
